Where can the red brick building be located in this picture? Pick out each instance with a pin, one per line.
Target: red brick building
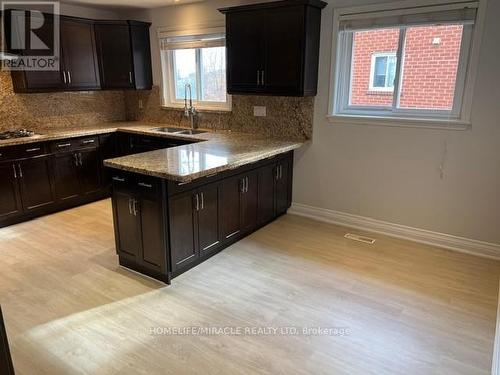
(430, 63)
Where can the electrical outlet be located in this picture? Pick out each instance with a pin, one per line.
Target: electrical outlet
(141, 104)
(259, 111)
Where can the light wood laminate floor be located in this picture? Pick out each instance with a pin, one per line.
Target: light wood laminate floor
(409, 309)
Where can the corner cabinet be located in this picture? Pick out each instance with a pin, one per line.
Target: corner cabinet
(124, 54)
(273, 48)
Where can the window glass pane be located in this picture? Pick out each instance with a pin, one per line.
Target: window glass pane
(213, 74)
(366, 45)
(184, 72)
(431, 57)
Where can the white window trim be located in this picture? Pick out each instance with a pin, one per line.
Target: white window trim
(168, 100)
(372, 71)
(463, 122)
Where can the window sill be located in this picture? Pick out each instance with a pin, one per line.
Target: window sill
(401, 122)
(198, 109)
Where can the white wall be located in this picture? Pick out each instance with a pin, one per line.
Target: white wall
(393, 174)
(388, 173)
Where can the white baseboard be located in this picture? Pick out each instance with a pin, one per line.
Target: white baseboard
(447, 241)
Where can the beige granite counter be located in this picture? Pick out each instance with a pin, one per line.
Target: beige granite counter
(210, 152)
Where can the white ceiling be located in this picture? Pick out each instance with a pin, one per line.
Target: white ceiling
(130, 3)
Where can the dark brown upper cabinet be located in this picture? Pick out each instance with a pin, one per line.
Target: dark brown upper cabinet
(124, 54)
(78, 69)
(273, 48)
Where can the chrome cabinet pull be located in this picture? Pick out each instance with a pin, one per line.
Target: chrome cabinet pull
(197, 202)
(87, 141)
(136, 210)
(80, 158)
(118, 179)
(142, 184)
(183, 183)
(61, 145)
(242, 188)
(130, 206)
(130, 77)
(202, 201)
(64, 77)
(33, 149)
(281, 172)
(69, 77)
(20, 171)
(262, 79)
(15, 172)
(247, 185)
(75, 156)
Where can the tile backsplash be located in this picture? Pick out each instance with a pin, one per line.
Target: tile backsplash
(285, 116)
(50, 110)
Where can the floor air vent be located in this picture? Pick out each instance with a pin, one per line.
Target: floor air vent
(356, 237)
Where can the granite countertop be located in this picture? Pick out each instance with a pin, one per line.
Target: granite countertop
(211, 152)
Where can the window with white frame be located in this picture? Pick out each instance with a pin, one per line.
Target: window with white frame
(408, 64)
(198, 60)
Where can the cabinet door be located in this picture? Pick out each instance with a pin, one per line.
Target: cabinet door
(284, 38)
(231, 206)
(10, 202)
(141, 52)
(183, 237)
(282, 186)
(152, 225)
(127, 225)
(108, 150)
(6, 367)
(245, 51)
(36, 182)
(90, 171)
(67, 183)
(79, 54)
(115, 56)
(249, 202)
(266, 208)
(208, 219)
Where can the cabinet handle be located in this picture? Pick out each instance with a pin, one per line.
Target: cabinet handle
(15, 172)
(20, 171)
(281, 172)
(80, 158)
(69, 77)
(33, 149)
(183, 183)
(197, 202)
(75, 156)
(262, 82)
(118, 179)
(277, 173)
(61, 145)
(246, 189)
(136, 210)
(64, 77)
(130, 206)
(87, 141)
(202, 201)
(142, 184)
(130, 77)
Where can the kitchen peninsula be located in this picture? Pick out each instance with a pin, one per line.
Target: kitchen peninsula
(175, 207)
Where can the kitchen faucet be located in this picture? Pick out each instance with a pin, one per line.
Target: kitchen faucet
(190, 111)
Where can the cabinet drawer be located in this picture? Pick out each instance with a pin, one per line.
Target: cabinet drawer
(175, 187)
(65, 145)
(29, 150)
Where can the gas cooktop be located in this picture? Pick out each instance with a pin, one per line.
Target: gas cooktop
(20, 133)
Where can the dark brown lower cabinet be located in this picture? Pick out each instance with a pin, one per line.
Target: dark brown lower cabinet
(202, 217)
(90, 170)
(10, 197)
(6, 366)
(140, 230)
(35, 180)
(67, 182)
(194, 225)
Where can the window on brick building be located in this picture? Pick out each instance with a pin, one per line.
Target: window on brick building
(200, 61)
(404, 64)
